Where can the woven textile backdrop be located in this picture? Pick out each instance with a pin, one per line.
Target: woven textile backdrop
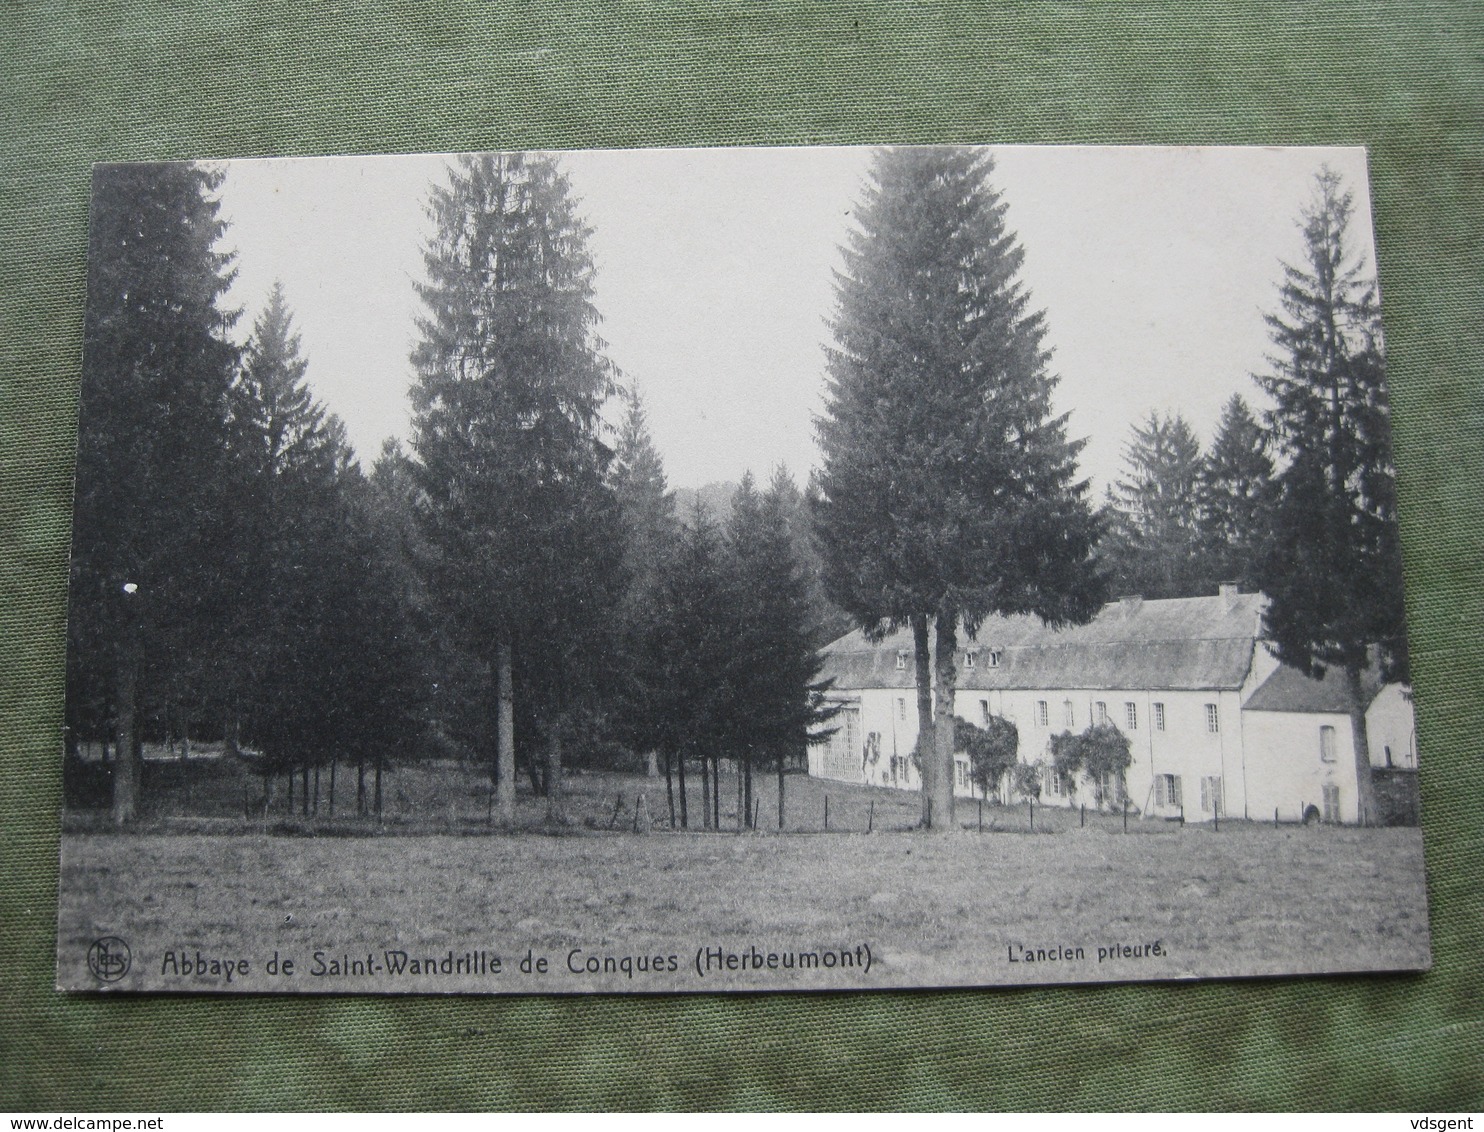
(86, 82)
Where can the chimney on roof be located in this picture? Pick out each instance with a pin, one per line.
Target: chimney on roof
(1228, 592)
(1129, 604)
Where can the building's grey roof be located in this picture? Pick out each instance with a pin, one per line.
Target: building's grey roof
(1199, 643)
(1288, 689)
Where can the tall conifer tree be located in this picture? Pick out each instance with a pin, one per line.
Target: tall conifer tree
(949, 489)
(646, 503)
(686, 665)
(782, 612)
(1333, 570)
(511, 378)
(1154, 546)
(1236, 493)
(148, 524)
(287, 457)
(292, 526)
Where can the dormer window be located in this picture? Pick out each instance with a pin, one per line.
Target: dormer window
(901, 658)
(994, 658)
(971, 658)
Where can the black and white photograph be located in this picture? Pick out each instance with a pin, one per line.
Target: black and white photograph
(772, 569)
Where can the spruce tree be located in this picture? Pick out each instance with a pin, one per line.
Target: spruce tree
(511, 379)
(949, 489)
(775, 701)
(320, 656)
(650, 532)
(374, 686)
(1236, 493)
(289, 456)
(1154, 546)
(1333, 570)
(687, 661)
(646, 503)
(784, 616)
(148, 527)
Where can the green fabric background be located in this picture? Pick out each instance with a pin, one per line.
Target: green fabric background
(114, 81)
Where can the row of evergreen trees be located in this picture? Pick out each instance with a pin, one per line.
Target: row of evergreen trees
(1180, 521)
(514, 587)
(231, 575)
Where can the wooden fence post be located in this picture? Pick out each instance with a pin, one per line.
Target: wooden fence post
(871, 817)
(826, 813)
(1125, 815)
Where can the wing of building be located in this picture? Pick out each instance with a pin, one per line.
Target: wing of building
(1216, 726)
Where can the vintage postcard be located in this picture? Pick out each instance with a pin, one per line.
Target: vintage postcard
(744, 569)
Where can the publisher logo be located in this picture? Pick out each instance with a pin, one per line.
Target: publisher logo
(109, 959)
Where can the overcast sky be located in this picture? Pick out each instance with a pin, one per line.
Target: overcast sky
(1154, 268)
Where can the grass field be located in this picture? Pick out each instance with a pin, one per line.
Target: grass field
(921, 910)
(222, 795)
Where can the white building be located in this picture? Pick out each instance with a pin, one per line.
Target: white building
(1215, 724)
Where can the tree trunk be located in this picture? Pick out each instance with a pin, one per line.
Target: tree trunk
(334, 762)
(555, 812)
(946, 641)
(378, 786)
(741, 801)
(684, 802)
(361, 785)
(924, 748)
(716, 792)
(705, 792)
(304, 783)
(315, 808)
(125, 776)
(1365, 796)
(653, 768)
(534, 773)
(670, 789)
(780, 785)
(747, 793)
(505, 737)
